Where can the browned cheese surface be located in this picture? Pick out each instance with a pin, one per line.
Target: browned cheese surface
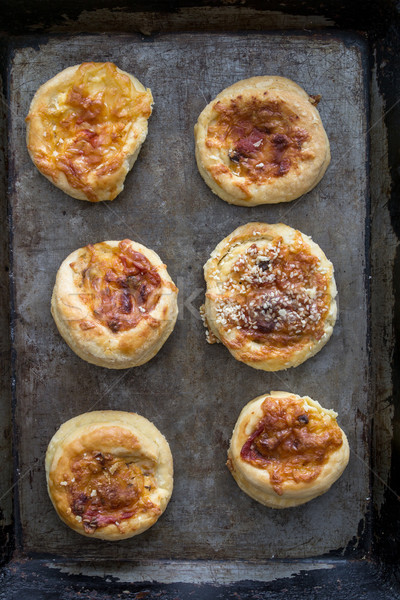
(277, 296)
(261, 136)
(290, 442)
(88, 130)
(119, 285)
(106, 489)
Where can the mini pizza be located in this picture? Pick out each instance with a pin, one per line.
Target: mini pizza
(85, 128)
(261, 141)
(109, 474)
(114, 303)
(286, 450)
(270, 296)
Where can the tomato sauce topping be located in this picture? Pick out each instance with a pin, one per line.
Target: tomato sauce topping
(106, 490)
(291, 442)
(260, 135)
(119, 285)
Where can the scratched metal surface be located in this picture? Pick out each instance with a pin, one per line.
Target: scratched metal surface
(192, 391)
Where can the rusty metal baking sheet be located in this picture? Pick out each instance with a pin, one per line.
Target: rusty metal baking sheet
(192, 391)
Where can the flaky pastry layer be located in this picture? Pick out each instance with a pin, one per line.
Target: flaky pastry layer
(261, 141)
(286, 450)
(109, 474)
(85, 128)
(114, 303)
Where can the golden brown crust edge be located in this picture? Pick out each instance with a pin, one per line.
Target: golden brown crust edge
(99, 345)
(256, 482)
(252, 353)
(79, 434)
(106, 186)
(238, 190)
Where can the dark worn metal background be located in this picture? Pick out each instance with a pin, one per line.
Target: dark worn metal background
(192, 391)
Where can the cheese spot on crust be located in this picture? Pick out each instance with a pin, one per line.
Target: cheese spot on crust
(88, 122)
(292, 442)
(119, 285)
(259, 136)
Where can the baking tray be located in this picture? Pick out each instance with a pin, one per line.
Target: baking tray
(212, 538)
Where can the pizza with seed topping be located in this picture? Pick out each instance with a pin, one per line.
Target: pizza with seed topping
(270, 296)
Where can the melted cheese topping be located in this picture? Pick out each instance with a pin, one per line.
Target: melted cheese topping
(103, 489)
(119, 285)
(88, 123)
(273, 293)
(291, 441)
(259, 136)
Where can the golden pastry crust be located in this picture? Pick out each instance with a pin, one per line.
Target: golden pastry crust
(109, 474)
(286, 450)
(85, 128)
(261, 141)
(114, 303)
(270, 296)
